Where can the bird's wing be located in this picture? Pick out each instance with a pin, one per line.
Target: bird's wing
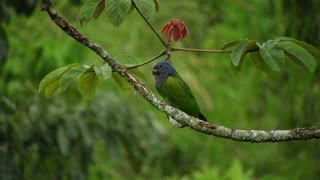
(178, 94)
(183, 84)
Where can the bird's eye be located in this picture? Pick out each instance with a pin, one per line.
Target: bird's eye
(160, 66)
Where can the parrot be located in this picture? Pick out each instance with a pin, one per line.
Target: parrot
(175, 91)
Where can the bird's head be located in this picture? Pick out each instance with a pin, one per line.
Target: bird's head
(162, 70)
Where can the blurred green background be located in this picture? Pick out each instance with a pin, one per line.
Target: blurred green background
(121, 136)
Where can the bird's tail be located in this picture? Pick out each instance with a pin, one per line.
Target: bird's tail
(201, 116)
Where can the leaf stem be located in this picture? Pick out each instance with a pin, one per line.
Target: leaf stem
(149, 24)
(162, 53)
(200, 50)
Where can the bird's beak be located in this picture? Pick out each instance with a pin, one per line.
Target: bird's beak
(155, 72)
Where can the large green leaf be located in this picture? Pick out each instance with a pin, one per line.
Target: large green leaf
(258, 61)
(230, 44)
(70, 76)
(234, 70)
(238, 54)
(298, 55)
(51, 82)
(156, 4)
(98, 10)
(146, 7)
(311, 49)
(90, 8)
(121, 82)
(273, 55)
(103, 71)
(129, 61)
(88, 83)
(240, 51)
(136, 71)
(117, 10)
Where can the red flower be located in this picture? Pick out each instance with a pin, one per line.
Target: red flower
(175, 30)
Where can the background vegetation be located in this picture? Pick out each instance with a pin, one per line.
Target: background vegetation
(110, 137)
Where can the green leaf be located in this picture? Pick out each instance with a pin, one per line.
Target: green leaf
(238, 54)
(126, 60)
(51, 82)
(156, 4)
(273, 55)
(311, 49)
(146, 7)
(137, 72)
(70, 76)
(103, 71)
(234, 70)
(231, 44)
(117, 10)
(121, 82)
(88, 83)
(240, 50)
(131, 9)
(258, 61)
(99, 9)
(298, 55)
(90, 8)
(129, 61)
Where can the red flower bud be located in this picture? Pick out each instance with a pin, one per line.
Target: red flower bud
(175, 30)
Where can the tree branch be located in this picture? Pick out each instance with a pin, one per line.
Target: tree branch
(181, 117)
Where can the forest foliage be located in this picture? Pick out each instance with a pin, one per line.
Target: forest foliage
(65, 136)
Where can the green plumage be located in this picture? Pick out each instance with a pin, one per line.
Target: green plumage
(174, 90)
(177, 93)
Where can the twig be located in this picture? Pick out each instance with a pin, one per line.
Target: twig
(180, 116)
(162, 53)
(149, 24)
(200, 50)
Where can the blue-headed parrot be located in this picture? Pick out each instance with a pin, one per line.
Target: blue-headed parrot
(175, 91)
